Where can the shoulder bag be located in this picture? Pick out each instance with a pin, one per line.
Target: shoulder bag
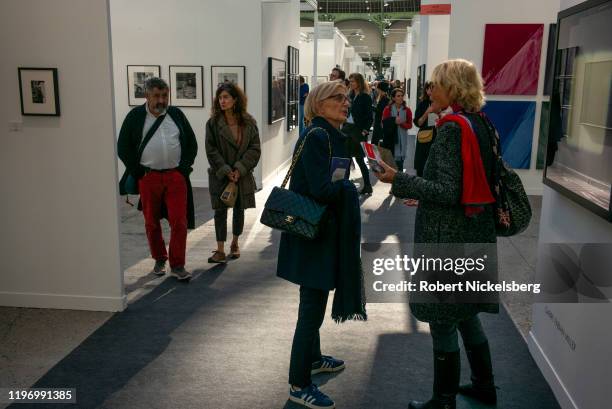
(292, 212)
(512, 208)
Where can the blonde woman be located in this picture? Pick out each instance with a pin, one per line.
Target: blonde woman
(455, 207)
(332, 261)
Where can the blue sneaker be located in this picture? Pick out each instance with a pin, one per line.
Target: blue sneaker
(327, 364)
(311, 397)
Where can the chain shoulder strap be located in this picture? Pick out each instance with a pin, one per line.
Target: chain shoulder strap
(299, 153)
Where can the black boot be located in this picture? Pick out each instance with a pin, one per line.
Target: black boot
(447, 366)
(482, 387)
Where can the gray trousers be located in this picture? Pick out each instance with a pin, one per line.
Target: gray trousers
(445, 335)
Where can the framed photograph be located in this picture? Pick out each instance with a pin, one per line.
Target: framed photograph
(293, 87)
(227, 73)
(578, 162)
(137, 75)
(39, 91)
(550, 59)
(421, 79)
(186, 86)
(277, 78)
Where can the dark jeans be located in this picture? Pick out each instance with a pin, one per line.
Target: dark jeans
(221, 221)
(306, 347)
(445, 335)
(364, 171)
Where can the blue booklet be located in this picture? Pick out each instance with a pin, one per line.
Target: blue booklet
(339, 168)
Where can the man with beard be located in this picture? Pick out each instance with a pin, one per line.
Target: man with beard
(158, 147)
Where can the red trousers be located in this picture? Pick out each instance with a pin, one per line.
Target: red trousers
(169, 188)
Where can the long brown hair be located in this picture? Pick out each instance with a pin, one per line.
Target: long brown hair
(363, 87)
(240, 103)
(424, 96)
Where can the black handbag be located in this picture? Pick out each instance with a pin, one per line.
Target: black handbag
(292, 212)
(512, 207)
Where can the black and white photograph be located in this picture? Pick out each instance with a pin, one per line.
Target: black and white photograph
(137, 75)
(38, 92)
(225, 77)
(421, 78)
(186, 85)
(38, 89)
(220, 74)
(277, 77)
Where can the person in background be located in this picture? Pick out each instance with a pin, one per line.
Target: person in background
(233, 151)
(357, 127)
(303, 94)
(332, 261)
(374, 91)
(158, 147)
(337, 74)
(455, 207)
(381, 102)
(425, 116)
(397, 118)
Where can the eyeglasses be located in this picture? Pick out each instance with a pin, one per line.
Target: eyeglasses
(339, 98)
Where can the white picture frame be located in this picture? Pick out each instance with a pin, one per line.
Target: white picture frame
(227, 73)
(136, 77)
(186, 85)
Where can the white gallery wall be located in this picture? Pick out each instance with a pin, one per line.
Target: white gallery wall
(208, 32)
(467, 27)
(280, 28)
(429, 44)
(330, 51)
(571, 342)
(417, 54)
(156, 32)
(578, 371)
(59, 174)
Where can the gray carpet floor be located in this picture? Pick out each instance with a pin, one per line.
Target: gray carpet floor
(223, 340)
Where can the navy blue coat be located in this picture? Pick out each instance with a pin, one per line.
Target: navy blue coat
(314, 263)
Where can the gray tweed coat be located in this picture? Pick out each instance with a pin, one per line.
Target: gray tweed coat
(440, 216)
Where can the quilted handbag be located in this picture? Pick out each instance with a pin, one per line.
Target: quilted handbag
(291, 212)
(512, 208)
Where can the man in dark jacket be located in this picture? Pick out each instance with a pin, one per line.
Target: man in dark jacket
(158, 147)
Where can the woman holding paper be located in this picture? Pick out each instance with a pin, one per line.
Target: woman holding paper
(332, 260)
(455, 208)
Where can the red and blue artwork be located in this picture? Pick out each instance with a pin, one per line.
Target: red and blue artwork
(514, 121)
(511, 58)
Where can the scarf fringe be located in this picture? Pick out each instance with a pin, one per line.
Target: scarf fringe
(358, 316)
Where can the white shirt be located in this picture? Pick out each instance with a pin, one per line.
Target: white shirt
(164, 149)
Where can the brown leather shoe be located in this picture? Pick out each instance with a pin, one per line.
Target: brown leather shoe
(234, 251)
(217, 257)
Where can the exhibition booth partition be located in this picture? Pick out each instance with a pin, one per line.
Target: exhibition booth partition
(66, 119)
(571, 332)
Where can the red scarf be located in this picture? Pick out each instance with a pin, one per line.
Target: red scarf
(476, 192)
